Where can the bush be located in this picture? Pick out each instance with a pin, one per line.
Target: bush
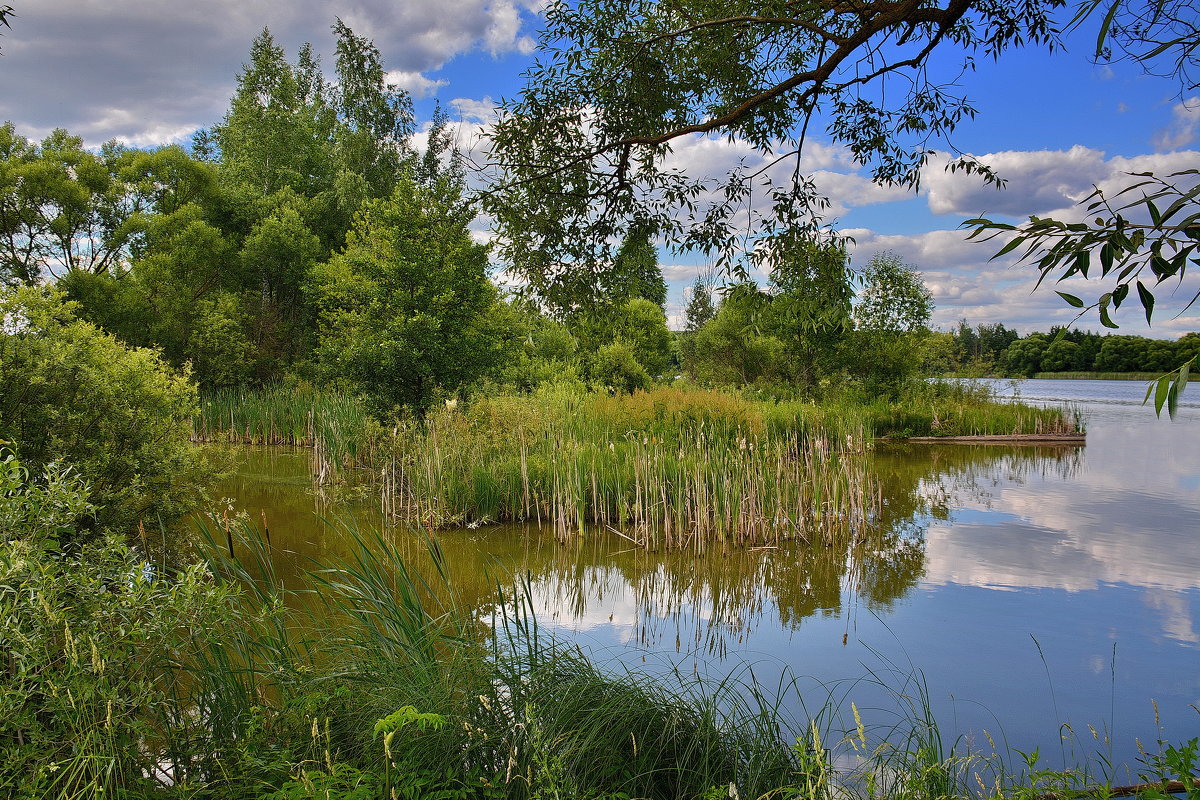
(616, 367)
(91, 701)
(120, 415)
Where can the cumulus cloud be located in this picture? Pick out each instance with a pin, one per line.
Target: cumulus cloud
(1040, 182)
(415, 83)
(1037, 182)
(482, 111)
(136, 70)
(1185, 122)
(966, 283)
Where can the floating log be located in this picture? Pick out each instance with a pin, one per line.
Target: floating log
(1008, 438)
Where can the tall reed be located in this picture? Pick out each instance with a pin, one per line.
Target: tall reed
(669, 468)
(338, 428)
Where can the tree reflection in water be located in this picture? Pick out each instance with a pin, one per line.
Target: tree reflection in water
(706, 602)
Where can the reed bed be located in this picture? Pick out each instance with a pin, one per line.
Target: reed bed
(670, 468)
(338, 428)
(959, 410)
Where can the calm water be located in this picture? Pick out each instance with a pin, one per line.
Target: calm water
(1028, 586)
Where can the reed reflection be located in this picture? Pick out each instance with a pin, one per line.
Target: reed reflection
(705, 602)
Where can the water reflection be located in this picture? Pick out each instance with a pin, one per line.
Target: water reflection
(707, 602)
(977, 552)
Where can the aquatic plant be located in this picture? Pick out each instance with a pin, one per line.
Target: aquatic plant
(668, 468)
(338, 427)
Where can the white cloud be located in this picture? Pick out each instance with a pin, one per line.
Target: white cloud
(1037, 182)
(415, 83)
(965, 282)
(1185, 123)
(481, 111)
(137, 70)
(1041, 182)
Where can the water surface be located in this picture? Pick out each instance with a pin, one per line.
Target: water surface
(1030, 587)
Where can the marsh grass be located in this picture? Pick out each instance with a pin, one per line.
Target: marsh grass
(338, 428)
(958, 408)
(668, 468)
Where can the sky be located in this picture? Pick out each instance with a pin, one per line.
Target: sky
(1055, 125)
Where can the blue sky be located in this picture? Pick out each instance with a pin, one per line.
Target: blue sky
(150, 72)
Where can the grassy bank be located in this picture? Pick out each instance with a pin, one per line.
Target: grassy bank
(404, 692)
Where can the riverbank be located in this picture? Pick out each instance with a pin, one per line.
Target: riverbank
(405, 691)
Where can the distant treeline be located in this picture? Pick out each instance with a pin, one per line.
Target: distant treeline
(995, 349)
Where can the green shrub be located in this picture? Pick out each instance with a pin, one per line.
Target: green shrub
(615, 366)
(91, 700)
(120, 415)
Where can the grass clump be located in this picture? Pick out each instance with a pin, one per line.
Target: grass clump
(672, 467)
(956, 409)
(338, 427)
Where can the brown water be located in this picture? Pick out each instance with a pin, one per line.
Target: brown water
(1029, 586)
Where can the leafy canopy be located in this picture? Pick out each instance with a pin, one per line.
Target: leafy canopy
(894, 298)
(586, 148)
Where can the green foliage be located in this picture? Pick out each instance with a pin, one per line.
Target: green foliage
(1176, 763)
(643, 325)
(700, 308)
(94, 638)
(636, 273)
(884, 362)
(730, 349)
(62, 208)
(810, 310)
(341, 782)
(534, 349)
(1062, 356)
(44, 512)
(616, 367)
(403, 308)
(585, 146)
(69, 393)
(1024, 356)
(894, 299)
(669, 467)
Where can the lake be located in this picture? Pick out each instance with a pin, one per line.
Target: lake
(1035, 591)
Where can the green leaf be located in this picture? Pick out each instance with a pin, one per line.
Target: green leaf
(1161, 391)
(1119, 294)
(1105, 319)
(1106, 258)
(1155, 216)
(1178, 387)
(1083, 260)
(1013, 245)
(1071, 299)
(1147, 298)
